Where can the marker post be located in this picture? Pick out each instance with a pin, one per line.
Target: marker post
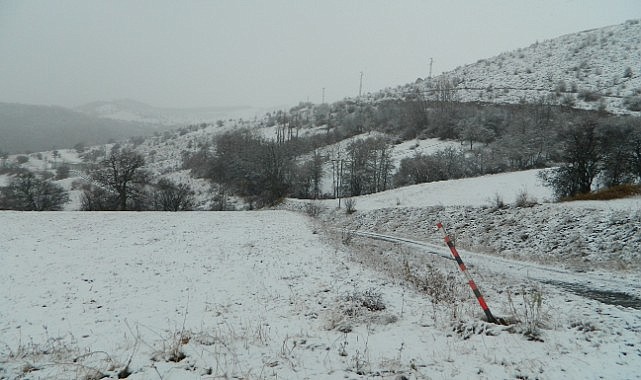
(470, 281)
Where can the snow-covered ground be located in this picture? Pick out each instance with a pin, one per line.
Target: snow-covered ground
(477, 191)
(275, 294)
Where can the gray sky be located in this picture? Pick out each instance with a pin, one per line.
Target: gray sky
(262, 53)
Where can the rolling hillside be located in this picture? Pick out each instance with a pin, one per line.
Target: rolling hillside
(32, 128)
(592, 69)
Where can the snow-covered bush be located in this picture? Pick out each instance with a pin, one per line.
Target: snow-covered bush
(313, 209)
(633, 103)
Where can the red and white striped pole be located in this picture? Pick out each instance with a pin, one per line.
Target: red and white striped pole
(475, 289)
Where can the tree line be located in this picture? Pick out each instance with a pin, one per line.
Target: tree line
(586, 149)
(117, 182)
(264, 171)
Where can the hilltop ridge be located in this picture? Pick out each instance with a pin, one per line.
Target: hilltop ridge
(596, 69)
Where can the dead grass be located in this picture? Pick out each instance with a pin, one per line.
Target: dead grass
(615, 192)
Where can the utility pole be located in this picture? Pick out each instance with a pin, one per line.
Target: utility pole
(339, 165)
(360, 86)
(430, 75)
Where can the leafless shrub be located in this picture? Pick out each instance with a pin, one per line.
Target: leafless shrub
(347, 237)
(172, 346)
(529, 317)
(523, 199)
(171, 350)
(313, 209)
(350, 206)
(497, 202)
(61, 353)
(443, 289)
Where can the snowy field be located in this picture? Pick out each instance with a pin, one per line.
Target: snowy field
(275, 294)
(477, 191)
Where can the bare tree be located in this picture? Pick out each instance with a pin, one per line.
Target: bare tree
(310, 174)
(635, 154)
(27, 192)
(446, 94)
(581, 154)
(121, 173)
(370, 166)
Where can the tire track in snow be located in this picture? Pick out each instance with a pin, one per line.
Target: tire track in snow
(608, 290)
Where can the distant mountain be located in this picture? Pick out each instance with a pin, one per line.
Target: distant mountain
(592, 69)
(33, 128)
(132, 110)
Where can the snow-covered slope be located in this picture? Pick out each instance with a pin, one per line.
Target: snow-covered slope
(592, 69)
(475, 192)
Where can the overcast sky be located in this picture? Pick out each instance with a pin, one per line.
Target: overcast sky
(262, 52)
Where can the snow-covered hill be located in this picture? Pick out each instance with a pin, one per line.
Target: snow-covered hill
(592, 69)
(32, 128)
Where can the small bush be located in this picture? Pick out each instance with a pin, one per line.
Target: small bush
(589, 96)
(371, 299)
(313, 209)
(530, 317)
(440, 287)
(170, 196)
(523, 199)
(172, 347)
(632, 103)
(350, 206)
(568, 101)
(96, 198)
(497, 202)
